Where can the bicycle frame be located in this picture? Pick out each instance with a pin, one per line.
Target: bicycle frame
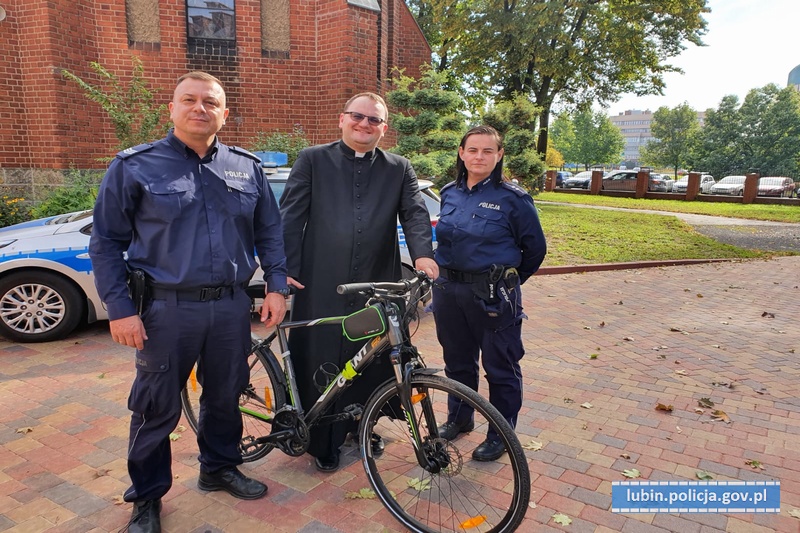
(393, 338)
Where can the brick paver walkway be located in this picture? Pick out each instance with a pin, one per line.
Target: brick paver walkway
(661, 335)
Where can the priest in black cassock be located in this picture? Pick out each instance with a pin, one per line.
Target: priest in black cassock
(340, 210)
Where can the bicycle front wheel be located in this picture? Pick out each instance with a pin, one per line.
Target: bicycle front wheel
(258, 402)
(464, 494)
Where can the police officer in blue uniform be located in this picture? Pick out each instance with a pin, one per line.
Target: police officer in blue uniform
(188, 211)
(490, 242)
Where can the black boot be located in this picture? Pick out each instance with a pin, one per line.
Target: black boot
(146, 517)
(233, 482)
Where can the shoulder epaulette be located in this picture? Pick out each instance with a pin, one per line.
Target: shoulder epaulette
(242, 151)
(128, 152)
(519, 191)
(451, 184)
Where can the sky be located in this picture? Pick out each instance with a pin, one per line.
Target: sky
(750, 43)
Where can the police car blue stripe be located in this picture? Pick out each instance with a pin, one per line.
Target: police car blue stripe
(65, 256)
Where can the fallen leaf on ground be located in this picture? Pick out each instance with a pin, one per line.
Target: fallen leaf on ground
(174, 436)
(180, 429)
(702, 474)
(678, 429)
(699, 295)
(362, 494)
(662, 356)
(118, 500)
(625, 455)
(593, 356)
(101, 376)
(727, 384)
(705, 402)
(423, 485)
(532, 505)
(795, 513)
(560, 518)
(767, 314)
(752, 463)
(720, 416)
(761, 391)
(587, 405)
(602, 324)
(627, 338)
(698, 411)
(587, 327)
(631, 473)
(533, 445)
(662, 407)
(716, 346)
(681, 372)
(618, 303)
(568, 400)
(24, 430)
(675, 329)
(100, 472)
(724, 323)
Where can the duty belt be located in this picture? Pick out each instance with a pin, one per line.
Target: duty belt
(462, 277)
(204, 294)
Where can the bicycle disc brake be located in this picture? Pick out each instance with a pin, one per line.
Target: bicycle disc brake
(287, 419)
(444, 456)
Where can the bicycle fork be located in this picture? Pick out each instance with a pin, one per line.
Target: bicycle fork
(408, 400)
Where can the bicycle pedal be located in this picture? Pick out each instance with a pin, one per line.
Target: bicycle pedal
(354, 411)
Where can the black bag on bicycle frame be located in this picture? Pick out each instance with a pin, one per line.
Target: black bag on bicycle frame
(363, 324)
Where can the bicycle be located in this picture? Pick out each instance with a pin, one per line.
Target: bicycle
(427, 483)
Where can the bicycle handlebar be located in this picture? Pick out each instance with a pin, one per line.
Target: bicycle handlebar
(403, 286)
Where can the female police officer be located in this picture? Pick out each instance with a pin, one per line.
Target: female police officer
(490, 242)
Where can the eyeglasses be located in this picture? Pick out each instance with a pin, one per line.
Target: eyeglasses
(358, 117)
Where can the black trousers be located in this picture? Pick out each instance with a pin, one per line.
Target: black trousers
(469, 329)
(216, 336)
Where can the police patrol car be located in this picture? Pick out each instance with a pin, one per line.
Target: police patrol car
(46, 282)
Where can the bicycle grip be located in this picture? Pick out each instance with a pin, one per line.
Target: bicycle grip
(350, 288)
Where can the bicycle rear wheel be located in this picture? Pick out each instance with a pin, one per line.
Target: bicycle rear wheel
(465, 495)
(258, 402)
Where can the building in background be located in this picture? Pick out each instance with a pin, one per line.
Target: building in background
(635, 127)
(794, 78)
(283, 63)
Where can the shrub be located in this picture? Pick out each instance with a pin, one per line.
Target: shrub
(13, 210)
(289, 143)
(78, 192)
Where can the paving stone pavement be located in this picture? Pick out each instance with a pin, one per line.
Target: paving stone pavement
(668, 335)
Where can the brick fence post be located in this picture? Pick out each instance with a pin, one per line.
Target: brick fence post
(750, 187)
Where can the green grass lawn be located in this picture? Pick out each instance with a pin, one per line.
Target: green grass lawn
(778, 213)
(578, 236)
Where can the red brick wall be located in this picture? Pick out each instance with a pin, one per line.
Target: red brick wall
(334, 54)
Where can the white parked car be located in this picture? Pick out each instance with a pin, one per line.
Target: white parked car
(706, 182)
(730, 185)
(46, 280)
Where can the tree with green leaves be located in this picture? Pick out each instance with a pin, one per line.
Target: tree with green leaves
(573, 51)
(674, 134)
(516, 121)
(428, 122)
(762, 133)
(131, 106)
(588, 138)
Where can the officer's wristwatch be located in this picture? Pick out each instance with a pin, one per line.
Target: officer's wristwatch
(283, 292)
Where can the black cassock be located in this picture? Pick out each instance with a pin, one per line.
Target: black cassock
(340, 216)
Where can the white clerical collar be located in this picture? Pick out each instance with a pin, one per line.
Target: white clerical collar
(361, 154)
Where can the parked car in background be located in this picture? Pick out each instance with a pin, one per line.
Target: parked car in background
(706, 182)
(730, 185)
(669, 181)
(46, 279)
(561, 175)
(625, 180)
(658, 182)
(581, 180)
(776, 186)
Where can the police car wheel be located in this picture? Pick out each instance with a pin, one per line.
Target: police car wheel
(38, 306)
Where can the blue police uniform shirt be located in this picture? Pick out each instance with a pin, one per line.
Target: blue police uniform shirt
(187, 222)
(489, 224)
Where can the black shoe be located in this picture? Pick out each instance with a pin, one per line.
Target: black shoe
(377, 445)
(146, 517)
(451, 430)
(233, 482)
(328, 464)
(489, 450)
